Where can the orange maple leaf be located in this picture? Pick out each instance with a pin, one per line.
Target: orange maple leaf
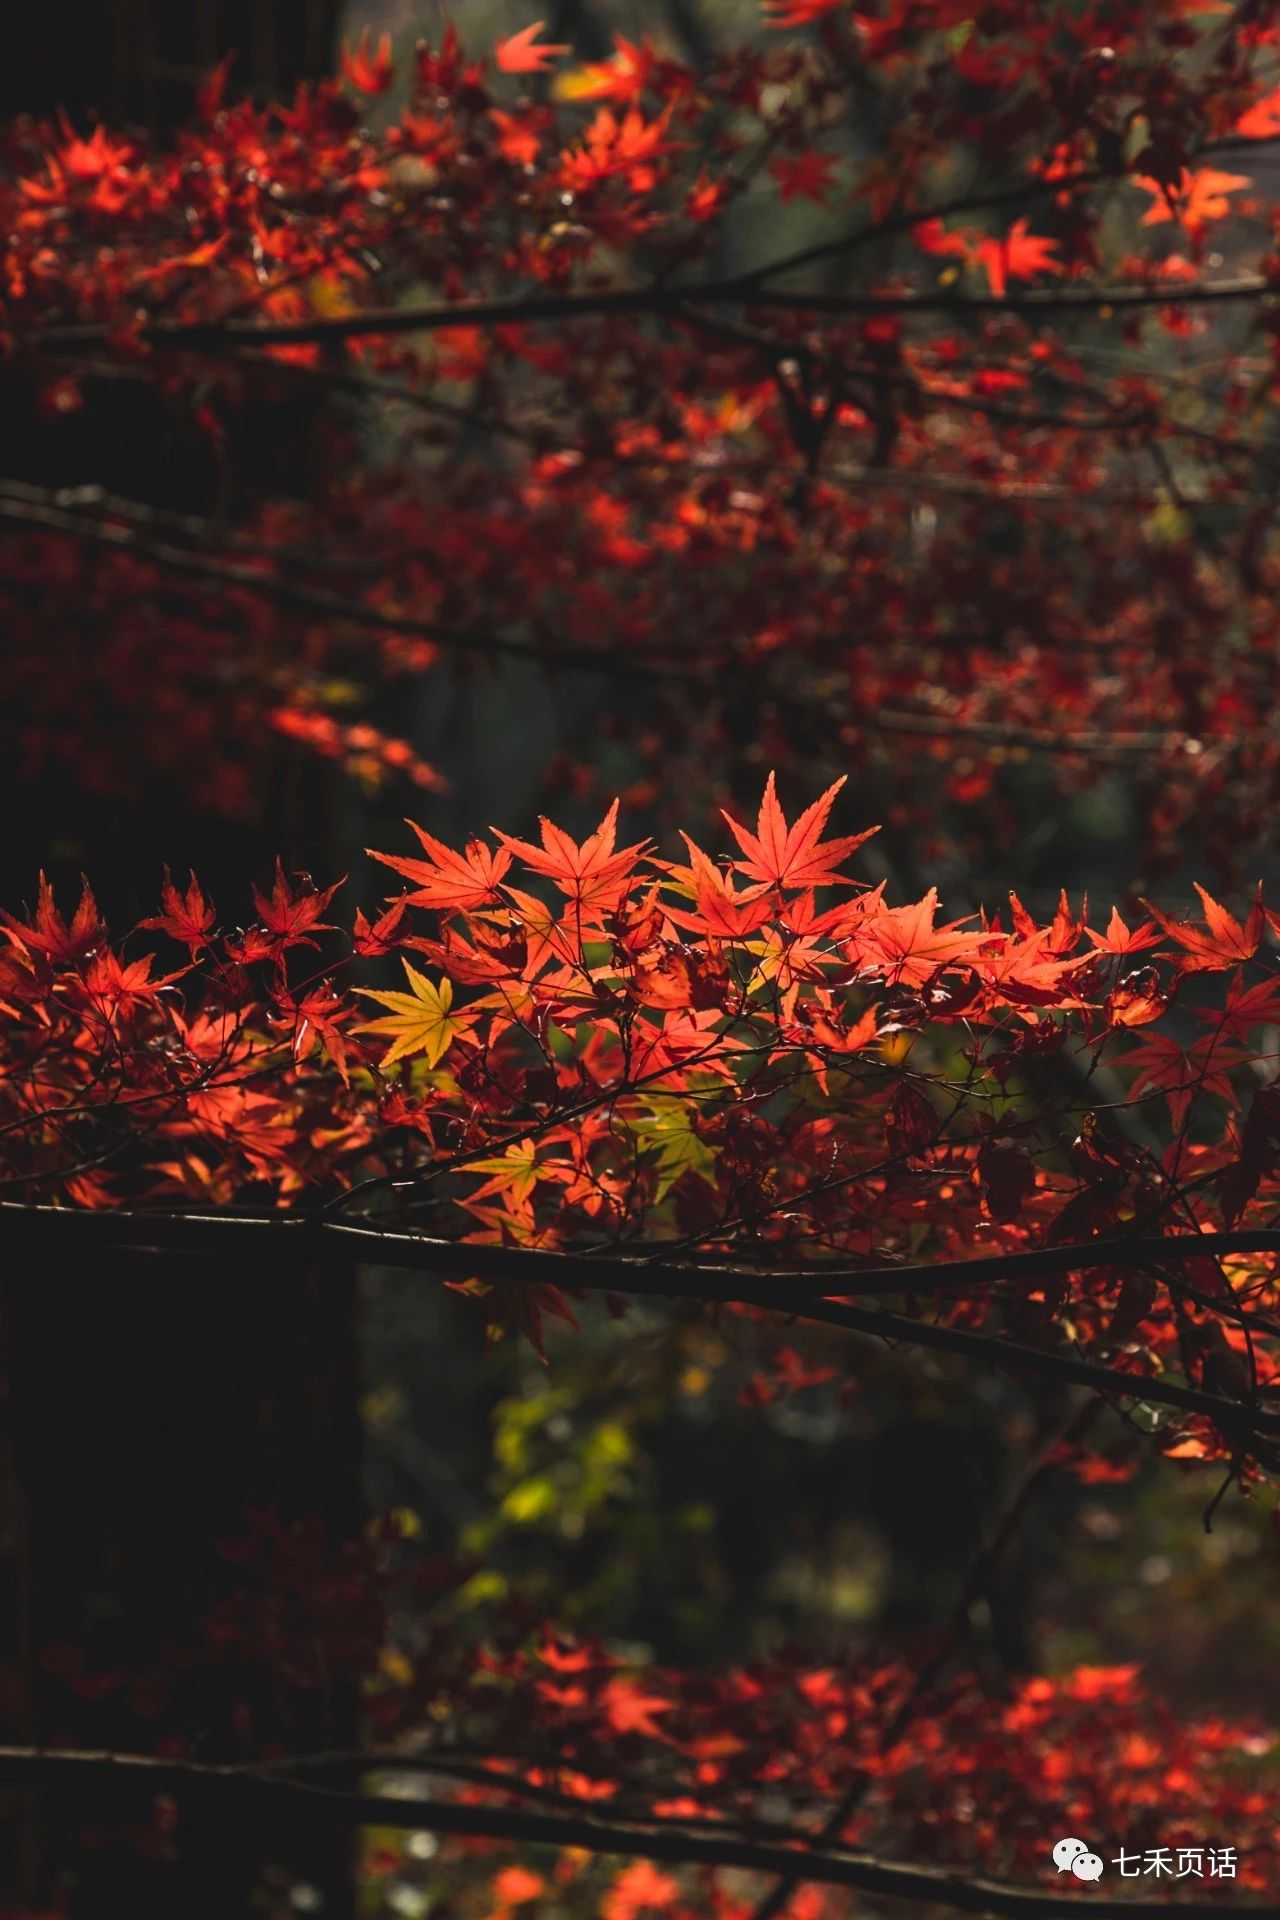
(592, 874)
(724, 911)
(903, 944)
(609, 146)
(1136, 1002)
(450, 881)
(517, 140)
(1029, 972)
(1121, 938)
(1017, 255)
(797, 856)
(1262, 121)
(514, 1885)
(628, 1709)
(1222, 942)
(1196, 199)
(519, 54)
(640, 1888)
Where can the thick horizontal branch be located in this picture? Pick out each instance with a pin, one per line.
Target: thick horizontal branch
(41, 1228)
(242, 1790)
(202, 531)
(805, 1292)
(1095, 742)
(551, 309)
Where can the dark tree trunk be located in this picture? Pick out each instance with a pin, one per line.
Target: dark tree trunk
(158, 1417)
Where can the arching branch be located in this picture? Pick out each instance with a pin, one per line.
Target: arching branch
(820, 1293)
(698, 1843)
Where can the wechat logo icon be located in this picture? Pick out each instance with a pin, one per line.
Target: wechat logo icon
(1073, 1856)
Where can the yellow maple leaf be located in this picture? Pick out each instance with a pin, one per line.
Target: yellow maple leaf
(419, 1021)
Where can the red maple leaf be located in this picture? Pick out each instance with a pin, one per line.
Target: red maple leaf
(319, 1017)
(370, 941)
(368, 71)
(290, 914)
(187, 916)
(933, 237)
(48, 933)
(804, 176)
(1182, 1075)
(797, 856)
(1246, 1007)
(114, 985)
(567, 1659)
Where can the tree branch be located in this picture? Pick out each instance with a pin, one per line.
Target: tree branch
(808, 1293)
(696, 1844)
(329, 606)
(744, 291)
(1096, 741)
(602, 1270)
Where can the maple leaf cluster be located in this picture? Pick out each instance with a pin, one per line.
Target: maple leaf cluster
(757, 1061)
(524, 1714)
(1091, 1750)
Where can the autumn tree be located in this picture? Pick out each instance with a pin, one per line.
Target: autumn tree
(961, 497)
